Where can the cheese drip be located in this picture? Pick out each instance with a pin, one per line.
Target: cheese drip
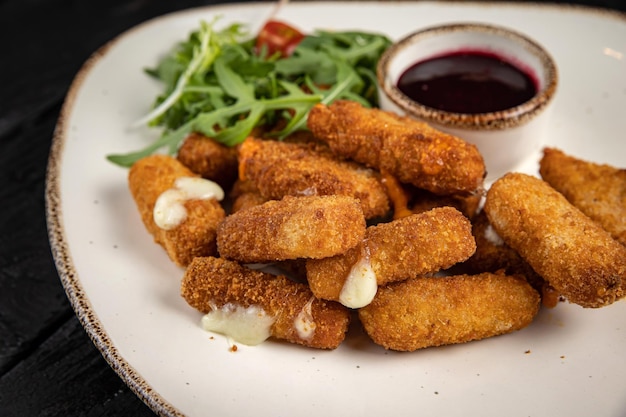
(247, 325)
(169, 209)
(361, 285)
(304, 322)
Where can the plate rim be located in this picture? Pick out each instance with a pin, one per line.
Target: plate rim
(63, 259)
(59, 245)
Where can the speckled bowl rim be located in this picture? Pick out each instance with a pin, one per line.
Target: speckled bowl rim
(498, 120)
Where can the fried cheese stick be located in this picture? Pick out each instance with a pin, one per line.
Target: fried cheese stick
(209, 159)
(493, 255)
(213, 284)
(569, 250)
(422, 200)
(411, 151)
(598, 190)
(244, 194)
(281, 168)
(292, 228)
(148, 180)
(404, 248)
(435, 311)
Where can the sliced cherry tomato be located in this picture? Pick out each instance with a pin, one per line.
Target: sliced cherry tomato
(278, 37)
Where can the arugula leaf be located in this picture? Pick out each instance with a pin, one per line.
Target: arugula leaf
(203, 53)
(216, 84)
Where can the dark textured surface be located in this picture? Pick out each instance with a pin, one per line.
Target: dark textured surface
(48, 365)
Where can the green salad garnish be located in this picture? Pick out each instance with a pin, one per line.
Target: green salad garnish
(221, 85)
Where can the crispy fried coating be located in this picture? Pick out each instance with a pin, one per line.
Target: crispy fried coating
(148, 178)
(244, 194)
(209, 159)
(399, 195)
(435, 311)
(568, 249)
(598, 190)
(493, 255)
(410, 150)
(292, 228)
(401, 249)
(407, 199)
(246, 200)
(422, 200)
(305, 168)
(214, 282)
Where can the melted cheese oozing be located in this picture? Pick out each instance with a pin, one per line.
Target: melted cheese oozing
(304, 322)
(360, 286)
(169, 209)
(492, 236)
(249, 326)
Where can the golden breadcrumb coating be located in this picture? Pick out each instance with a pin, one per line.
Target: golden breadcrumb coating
(492, 255)
(148, 178)
(307, 168)
(568, 249)
(434, 311)
(244, 194)
(399, 195)
(210, 281)
(598, 190)
(209, 159)
(422, 200)
(411, 151)
(401, 249)
(292, 228)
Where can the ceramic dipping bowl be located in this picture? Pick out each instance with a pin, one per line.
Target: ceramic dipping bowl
(506, 130)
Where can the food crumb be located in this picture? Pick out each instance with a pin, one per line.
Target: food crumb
(527, 352)
(233, 348)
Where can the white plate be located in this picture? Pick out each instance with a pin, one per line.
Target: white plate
(569, 362)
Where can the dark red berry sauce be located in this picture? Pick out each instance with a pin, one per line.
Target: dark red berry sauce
(469, 82)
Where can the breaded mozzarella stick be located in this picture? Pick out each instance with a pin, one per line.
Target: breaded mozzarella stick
(568, 249)
(292, 228)
(244, 194)
(180, 209)
(492, 255)
(404, 248)
(434, 311)
(598, 190)
(209, 159)
(251, 305)
(412, 151)
(278, 169)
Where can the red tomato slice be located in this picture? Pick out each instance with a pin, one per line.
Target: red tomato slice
(278, 37)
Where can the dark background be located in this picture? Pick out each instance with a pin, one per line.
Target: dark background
(48, 365)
